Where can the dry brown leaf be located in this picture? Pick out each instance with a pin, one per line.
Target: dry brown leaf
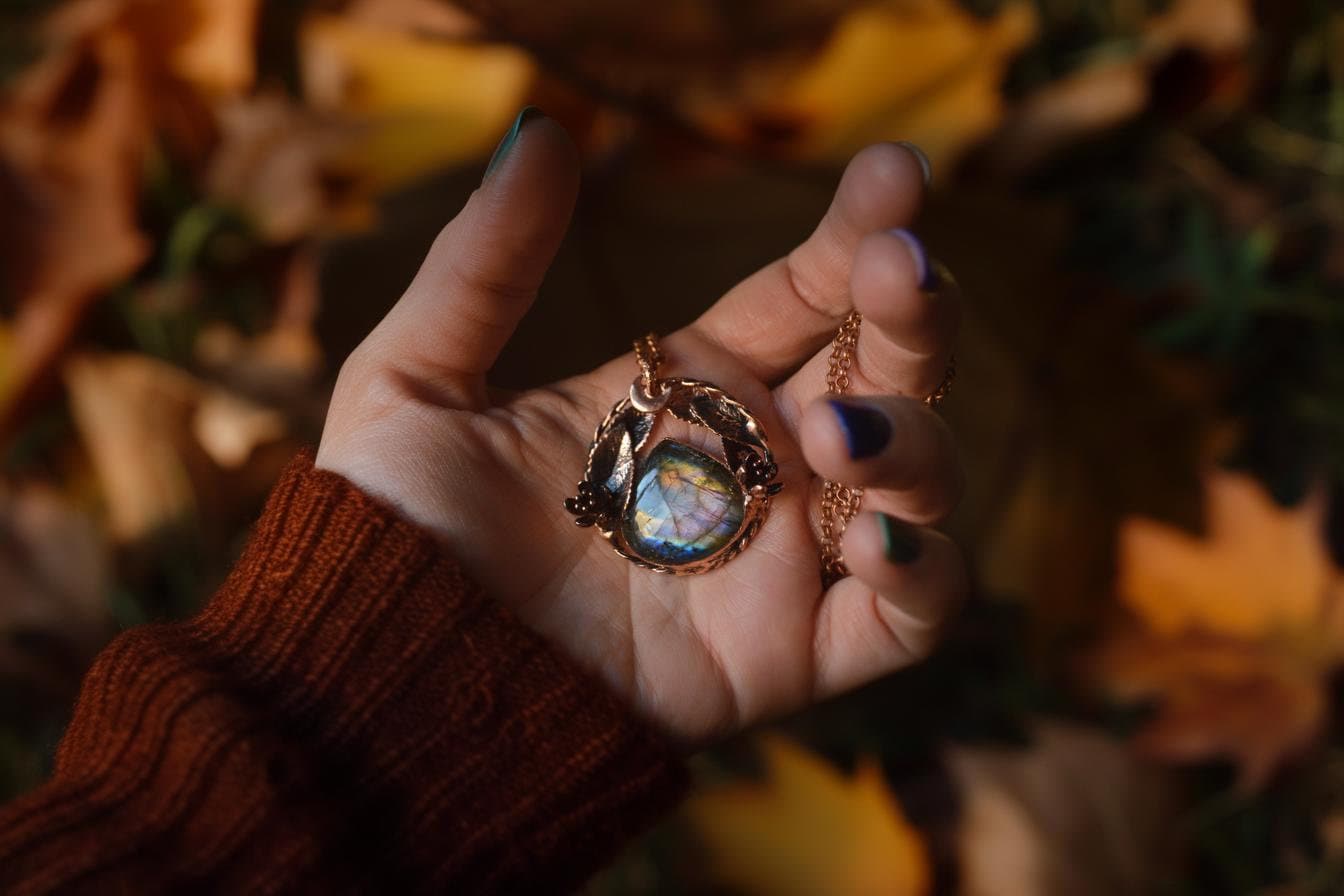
(282, 364)
(72, 140)
(1234, 632)
(74, 135)
(1074, 813)
(133, 414)
(207, 43)
(230, 427)
(218, 51)
(1215, 27)
(1249, 702)
(1114, 90)
(161, 441)
(690, 45)
(282, 166)
(55, 578)
(1085, 102)
(808, 829)
(427, 18)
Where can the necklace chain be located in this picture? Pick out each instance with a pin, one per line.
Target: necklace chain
(839, 503)
(650, 358)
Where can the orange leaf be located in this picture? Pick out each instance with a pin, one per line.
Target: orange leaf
(1234, 631)
(1218, 697)
(809, 829)
(73, 137)
(1260, 568)
(206, 43)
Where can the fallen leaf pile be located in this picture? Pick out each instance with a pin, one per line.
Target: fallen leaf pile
(174, 173)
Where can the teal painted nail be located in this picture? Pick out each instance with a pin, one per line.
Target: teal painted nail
(925, 165)
(511, 137)
(900, 541)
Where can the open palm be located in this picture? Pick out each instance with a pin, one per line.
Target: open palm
(411, 421)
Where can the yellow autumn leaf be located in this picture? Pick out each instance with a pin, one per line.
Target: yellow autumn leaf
(426, 103)
(809, 829)
(1261, 568)
(925, 71)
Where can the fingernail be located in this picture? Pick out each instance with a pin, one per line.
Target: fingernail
(867, 430)
(900, 541)
(511, 137)
(924, 164)
(924, 270)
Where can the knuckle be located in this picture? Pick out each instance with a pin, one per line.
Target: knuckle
(816, 273)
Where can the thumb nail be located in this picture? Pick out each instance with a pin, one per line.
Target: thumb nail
(511, 137)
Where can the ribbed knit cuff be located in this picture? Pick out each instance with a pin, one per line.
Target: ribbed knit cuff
(490, 755)
(349, 714)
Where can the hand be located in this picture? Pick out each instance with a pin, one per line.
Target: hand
(411, 422)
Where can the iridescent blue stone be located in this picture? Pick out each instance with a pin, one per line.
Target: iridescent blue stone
(686, 506)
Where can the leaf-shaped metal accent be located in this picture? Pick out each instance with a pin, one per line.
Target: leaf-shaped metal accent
(710, 407)
(611, 461)
(733, 453)
(640, 427)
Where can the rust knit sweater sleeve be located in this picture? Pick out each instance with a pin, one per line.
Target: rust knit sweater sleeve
(348, 714)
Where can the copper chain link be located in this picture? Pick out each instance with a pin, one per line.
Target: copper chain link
(840, 503)
(650, 358)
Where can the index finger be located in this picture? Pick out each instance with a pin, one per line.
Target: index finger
(779, 316)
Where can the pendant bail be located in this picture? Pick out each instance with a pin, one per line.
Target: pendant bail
(650, 357)
(646, 399)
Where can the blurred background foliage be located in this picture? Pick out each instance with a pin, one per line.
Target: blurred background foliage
(205, 203)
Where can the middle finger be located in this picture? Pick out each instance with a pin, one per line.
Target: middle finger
(910, 307)
(898, 450)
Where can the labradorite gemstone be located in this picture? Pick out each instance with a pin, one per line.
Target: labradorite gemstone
(686, 505)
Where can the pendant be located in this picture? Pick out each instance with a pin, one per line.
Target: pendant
(675, 508)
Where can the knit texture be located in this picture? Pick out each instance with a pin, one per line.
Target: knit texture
(348, 714)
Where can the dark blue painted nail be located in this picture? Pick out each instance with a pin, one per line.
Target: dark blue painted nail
(900, 540)
(511, 137)
(925, 269)
(925, 165)
(867, 430)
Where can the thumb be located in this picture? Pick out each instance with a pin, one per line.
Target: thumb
(485, 266)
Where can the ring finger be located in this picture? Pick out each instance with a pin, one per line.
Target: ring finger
(901, 453)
